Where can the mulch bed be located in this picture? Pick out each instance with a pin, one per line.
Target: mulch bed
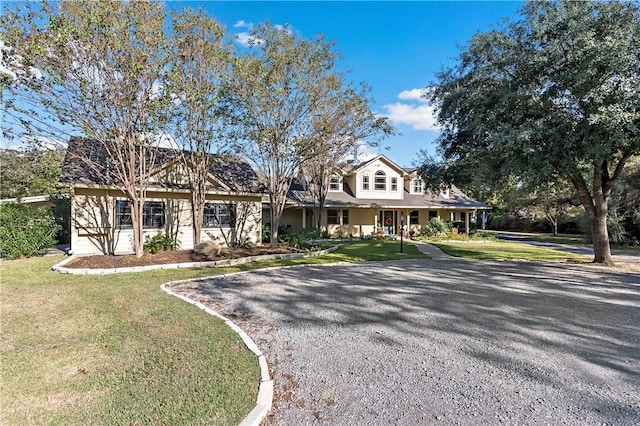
(165, 257)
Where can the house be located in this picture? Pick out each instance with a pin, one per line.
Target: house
(377, 196)
(101, 213)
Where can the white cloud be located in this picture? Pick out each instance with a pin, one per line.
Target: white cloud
(413, 94)
(247, 39)
(242, 24)
(415, 112)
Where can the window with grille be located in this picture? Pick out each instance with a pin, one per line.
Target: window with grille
(380, 181)
(332, 217)
(345, 217)
(394, 184)
(416, 186)
(216, 214)
(153, 216)
(414, 217)
(365, 183)
(334, 183)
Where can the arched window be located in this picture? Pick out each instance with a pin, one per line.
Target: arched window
(380, 181)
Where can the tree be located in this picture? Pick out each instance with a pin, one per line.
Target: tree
(35, 171)
(553, 95)
(201, 62)
(94, 69)
(343, 122)
(280, 84)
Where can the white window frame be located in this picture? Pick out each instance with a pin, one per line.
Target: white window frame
(335, 180)
(419, 188)
(378, 184)
(366, 182)
(394, 184)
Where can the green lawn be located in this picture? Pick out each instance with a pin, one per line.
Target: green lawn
(503, 250)
(116, 349)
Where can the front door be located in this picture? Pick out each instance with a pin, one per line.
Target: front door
(388, 221)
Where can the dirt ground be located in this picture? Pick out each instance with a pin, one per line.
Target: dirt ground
(166, 257)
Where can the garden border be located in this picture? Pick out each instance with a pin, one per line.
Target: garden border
(60, 267)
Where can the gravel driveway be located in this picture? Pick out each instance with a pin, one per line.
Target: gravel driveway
(442, 341)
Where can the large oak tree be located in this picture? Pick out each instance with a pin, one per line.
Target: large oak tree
(555, 94)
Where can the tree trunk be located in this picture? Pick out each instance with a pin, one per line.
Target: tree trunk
(197, 219)
(601, 247)
(275, 223)
(137, 211)
(596, 207)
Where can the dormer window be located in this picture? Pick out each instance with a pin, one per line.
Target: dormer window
(416, 186)
(335, 183)
(366, 185)
(380, 181)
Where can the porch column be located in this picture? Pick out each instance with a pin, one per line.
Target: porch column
(466, 222)
(304, 218)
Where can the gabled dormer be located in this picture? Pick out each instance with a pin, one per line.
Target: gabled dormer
(378, 178)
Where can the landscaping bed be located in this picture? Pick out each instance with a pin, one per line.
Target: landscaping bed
(168, 257)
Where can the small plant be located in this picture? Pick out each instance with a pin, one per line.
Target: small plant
(158, 243)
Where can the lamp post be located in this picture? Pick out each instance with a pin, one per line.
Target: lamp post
(401, 231)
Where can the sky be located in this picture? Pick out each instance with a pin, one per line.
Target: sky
(395, 47)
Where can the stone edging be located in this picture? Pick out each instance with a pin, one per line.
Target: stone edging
(264, 400)
(59, 267)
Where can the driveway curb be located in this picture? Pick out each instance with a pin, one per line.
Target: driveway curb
(264, 401)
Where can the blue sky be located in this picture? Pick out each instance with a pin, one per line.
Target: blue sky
(396, 47)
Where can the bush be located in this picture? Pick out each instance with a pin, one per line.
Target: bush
(25, 233)
(436, 227)
(158, 243)
(266, 233)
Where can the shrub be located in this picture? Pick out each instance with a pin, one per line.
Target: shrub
(25, 233)
(266, 233)
(158, 243)
(436, 227)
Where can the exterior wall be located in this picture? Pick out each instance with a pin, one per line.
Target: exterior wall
(362, 221)
(94, 231)
(371, 169)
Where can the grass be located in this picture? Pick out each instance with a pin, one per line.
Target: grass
(503, 250)
(574, 240)
(116, 349)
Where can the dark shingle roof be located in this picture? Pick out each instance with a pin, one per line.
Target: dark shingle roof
(456, 200)
(87, 163)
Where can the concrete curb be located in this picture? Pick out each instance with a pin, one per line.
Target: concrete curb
(264, 400)
(59, 267)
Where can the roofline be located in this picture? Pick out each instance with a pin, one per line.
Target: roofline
(27, 200)
(386, 206)
(169, 190)
(380, 157)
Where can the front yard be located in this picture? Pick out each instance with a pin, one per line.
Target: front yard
(116, 349)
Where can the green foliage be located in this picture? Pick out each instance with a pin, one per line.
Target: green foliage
(35, 171)
(436, 227)
(304, 239)
(25, 233)
(160, 242)
(61, 211)
(266, 233)
(550, 96)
